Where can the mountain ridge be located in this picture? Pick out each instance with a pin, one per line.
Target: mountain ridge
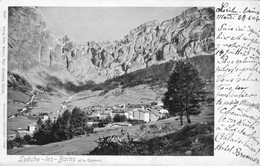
(33, 48)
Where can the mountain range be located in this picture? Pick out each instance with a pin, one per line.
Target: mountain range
(37, 58)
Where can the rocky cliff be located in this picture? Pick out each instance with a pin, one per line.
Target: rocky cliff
(31, 45)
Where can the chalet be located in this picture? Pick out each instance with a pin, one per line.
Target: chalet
(160, 104)
(44, 117)
(32, 127)
(131, 114)
(102, 116)
(154, 115)
(120, 112)
(164, 111)
(141, 114)
(107, 112)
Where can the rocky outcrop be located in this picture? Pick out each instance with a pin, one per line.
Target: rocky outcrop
(30, 43)
(28, 39)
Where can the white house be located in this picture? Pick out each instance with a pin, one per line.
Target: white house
(164, 111)
(120, 112)
(141, 114)
(154, 115)
(44, 117)
(131, 114)
(160, 104)
(144, 115)
(32, 127)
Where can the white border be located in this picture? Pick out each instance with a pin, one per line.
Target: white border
(224, 159)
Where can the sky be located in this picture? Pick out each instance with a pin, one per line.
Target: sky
(101, 23)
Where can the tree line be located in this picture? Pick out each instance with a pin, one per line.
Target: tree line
(67, 126)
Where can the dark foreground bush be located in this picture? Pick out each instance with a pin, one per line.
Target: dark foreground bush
(194, 140)
(19, 141)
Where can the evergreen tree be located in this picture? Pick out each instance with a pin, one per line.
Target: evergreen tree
(184, 86)
(39, 122)
(63, 123)
(77, 122)
(108, 119)
(119, 118)
(116, 118)
(44, 132)
(39, 135)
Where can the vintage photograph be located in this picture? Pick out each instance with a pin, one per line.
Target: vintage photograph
(111, 81)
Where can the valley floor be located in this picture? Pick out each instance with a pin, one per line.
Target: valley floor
(52, 104)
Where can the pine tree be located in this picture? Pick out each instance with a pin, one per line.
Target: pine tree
(184, 85)
(64, 125)
(39, 122)
(77, 122)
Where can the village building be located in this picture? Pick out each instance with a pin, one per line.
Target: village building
(25, 109)
(160, 104)
(120, 112)
(164, 111)
(44, 117)
(154, 115)
(102, 116)
(141, 114)
(32, 127)
(131, 114)
(107, 112)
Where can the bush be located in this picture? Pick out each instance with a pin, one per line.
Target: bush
(116, 118)
(153, 126)
(18, 141)
(119, 118)
(10, 144)
(123, 118)
(142, 127)
(27, 139)
(108, 119)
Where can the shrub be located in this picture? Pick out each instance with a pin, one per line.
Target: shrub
(142, 127)
(108, 119)
(18, 141)
(116, 118)
(27, 139)
(10, 144)
(119, 118)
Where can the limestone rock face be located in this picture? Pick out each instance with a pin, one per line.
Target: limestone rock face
(28, 39)
(187, 35)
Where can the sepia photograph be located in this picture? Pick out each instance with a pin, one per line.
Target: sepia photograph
(110, 81)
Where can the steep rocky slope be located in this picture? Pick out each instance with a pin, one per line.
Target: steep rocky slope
(33, 50)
